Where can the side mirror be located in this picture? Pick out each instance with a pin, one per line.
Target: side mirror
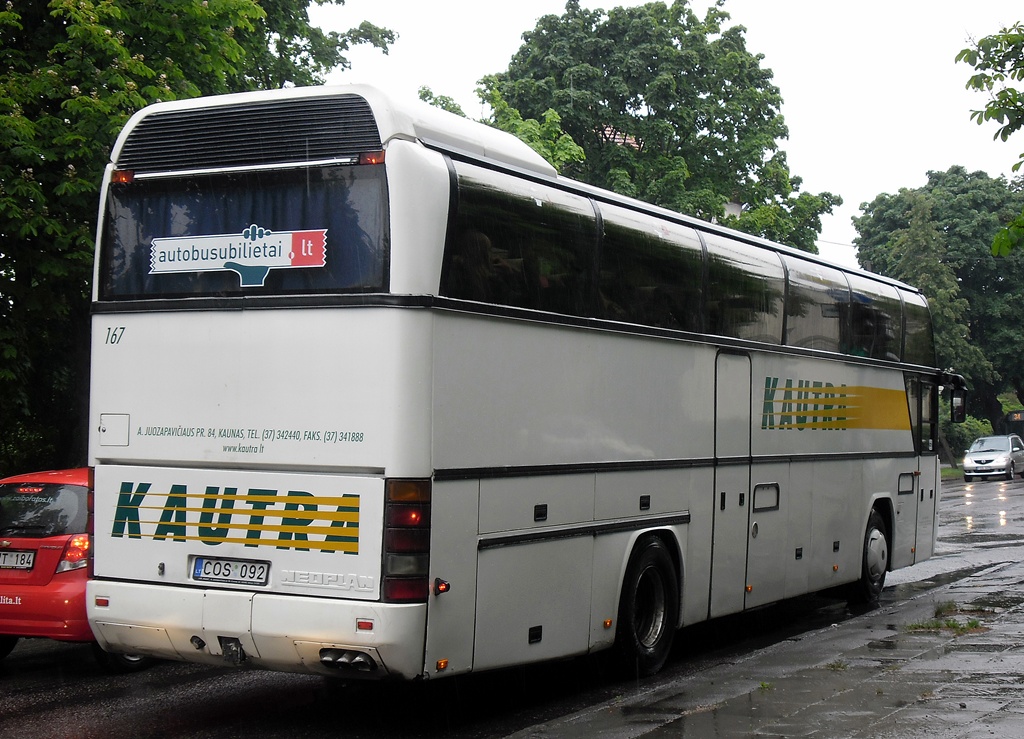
(958, 405)
(957, 396)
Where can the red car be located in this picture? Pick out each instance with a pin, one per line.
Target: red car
(44, 558)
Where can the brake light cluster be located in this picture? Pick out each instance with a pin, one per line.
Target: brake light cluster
(76, 553)
(127, 176)
(406, 541)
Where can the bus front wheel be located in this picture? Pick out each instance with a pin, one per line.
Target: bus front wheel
(648, 609)
(874, 561)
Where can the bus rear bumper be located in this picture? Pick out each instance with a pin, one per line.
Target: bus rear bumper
(344, 638)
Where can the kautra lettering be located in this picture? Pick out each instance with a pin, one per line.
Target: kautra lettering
(292, 519)
(818, 405)
(803, 404)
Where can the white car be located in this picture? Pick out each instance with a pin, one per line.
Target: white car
(995, 455)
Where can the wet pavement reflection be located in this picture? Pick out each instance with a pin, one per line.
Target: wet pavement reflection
(941, 655)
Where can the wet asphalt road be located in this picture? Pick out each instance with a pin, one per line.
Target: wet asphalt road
(48, 689)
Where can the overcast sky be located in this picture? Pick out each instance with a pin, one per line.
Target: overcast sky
(872, 96)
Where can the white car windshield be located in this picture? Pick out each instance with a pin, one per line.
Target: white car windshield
(991, 444)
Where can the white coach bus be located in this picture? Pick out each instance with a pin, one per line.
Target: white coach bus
(376, 393)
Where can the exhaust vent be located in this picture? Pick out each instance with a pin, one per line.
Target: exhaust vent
(347, 660)
(252, 134)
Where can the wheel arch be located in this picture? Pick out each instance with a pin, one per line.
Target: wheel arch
(670, 539)
(883, 505)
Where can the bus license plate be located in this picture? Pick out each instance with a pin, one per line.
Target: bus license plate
(17, 560)
(239, 571)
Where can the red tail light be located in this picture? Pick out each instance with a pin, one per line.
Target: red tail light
(406, 541)
(76, 553)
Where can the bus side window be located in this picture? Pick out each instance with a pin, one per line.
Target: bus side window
(519, 244)
(923, 401)
(875, 326)
(814, 304)
(650, 273)
(746, 286)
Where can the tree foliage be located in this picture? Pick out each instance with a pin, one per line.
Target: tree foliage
(917, 253)
(71, 73)
(998, 62)
(282, 47)
(957, 214)
(545, 136)
(668, 108)
(444, 102)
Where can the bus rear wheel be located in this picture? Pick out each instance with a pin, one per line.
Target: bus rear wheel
(648, 609)
(7, 644)
(874, 562)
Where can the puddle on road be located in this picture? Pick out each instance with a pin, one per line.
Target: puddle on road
(976, 538)
(907, 590)
(883, 644)
(986, 648)
(995, 603)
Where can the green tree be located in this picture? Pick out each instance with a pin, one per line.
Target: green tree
(998, 62)
(959, 436)
(71, 73)
(282, 47)
(966, 209)
(545, 136)
(917, 252)
(668, 108)
(443, 102)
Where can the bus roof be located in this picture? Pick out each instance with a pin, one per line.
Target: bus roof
(415, 120)
(396, 119)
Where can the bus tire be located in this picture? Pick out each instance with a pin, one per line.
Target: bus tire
(7, 644)
(874, 561)
(648, 609)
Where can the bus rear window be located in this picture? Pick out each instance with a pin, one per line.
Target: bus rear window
(269, 232)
